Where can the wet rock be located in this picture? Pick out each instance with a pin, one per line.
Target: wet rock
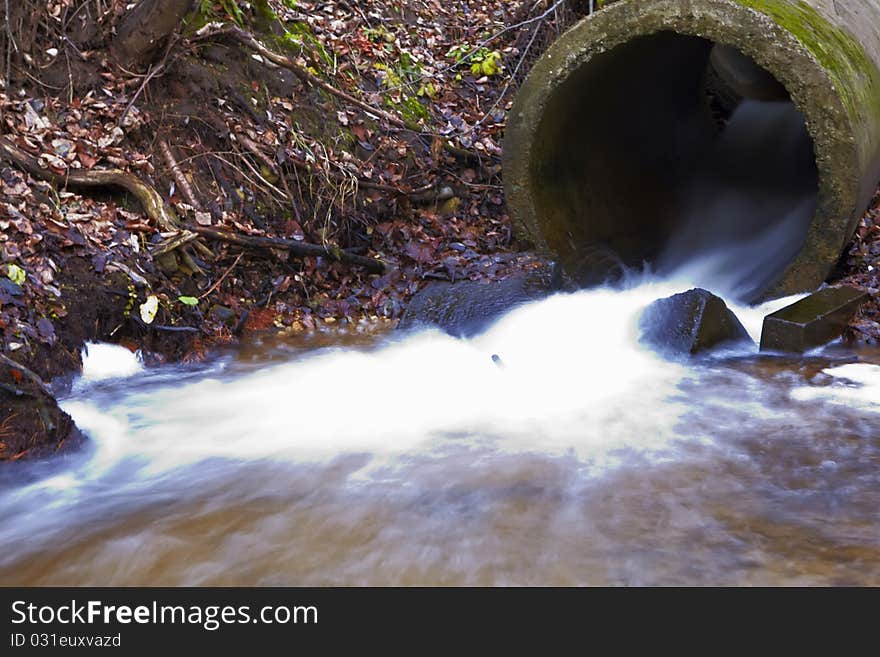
(466, 308)
(813, 321)
(222, 314)
(689, 323)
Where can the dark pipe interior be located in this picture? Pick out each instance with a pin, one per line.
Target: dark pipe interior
(666, 152)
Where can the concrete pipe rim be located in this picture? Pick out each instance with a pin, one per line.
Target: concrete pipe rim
(756, 35)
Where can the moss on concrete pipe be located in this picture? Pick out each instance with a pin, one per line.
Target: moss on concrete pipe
(614, 113)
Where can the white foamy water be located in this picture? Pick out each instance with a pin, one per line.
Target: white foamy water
(570, 362)
(580, 456)
(103, 361)
(855, 384)
(570, 368)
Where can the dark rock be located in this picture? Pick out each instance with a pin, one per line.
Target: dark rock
(31, 423)
(689, 323)
(222, 314)
(813, 321)
(466, 308)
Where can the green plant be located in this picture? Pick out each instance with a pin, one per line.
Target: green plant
(482, 61)
(229, 7)
(299, 35)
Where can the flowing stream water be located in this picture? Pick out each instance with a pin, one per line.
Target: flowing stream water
(580, 458)
(552, 449)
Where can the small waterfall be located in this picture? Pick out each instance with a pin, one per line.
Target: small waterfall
(749, 204)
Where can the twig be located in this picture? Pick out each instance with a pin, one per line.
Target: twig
(510, 80)
(182, 183)
(222, 278)
(301, 249)
(153, 72)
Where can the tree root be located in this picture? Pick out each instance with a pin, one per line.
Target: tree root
(307, 77)
(301, 249)
(167, 220)
(153, 203)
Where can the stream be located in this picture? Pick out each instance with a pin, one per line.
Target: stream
(578, 456)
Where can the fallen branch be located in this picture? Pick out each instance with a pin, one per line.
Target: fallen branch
(301, 249)
(186, 189)
(222, 278)
(152, 202)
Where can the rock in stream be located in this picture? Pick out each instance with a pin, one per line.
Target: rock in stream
(466, 308)
(689, 323)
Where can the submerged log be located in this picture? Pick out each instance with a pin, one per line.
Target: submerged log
(612, 123)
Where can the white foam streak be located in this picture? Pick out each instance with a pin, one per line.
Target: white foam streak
(572, 377)
(103, 361)
(856, 385)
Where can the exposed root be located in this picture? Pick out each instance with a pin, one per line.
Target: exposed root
(153, 203)
(309, 78)
(182, 183)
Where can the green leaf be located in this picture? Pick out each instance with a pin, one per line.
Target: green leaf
(15, 274)
(149, 308)
(188, 301)
(491, 64)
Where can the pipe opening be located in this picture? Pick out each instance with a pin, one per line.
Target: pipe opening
(678, 152)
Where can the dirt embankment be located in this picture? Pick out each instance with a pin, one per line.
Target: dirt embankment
(262, 166)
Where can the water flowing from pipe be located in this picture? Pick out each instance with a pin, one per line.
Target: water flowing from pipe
(577, 455)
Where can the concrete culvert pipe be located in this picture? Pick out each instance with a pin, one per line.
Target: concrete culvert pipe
(660, 131)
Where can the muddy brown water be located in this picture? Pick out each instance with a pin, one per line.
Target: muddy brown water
(417, 460)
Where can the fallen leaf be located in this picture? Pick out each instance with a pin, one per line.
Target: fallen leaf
(15, 274)
(149, 308)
